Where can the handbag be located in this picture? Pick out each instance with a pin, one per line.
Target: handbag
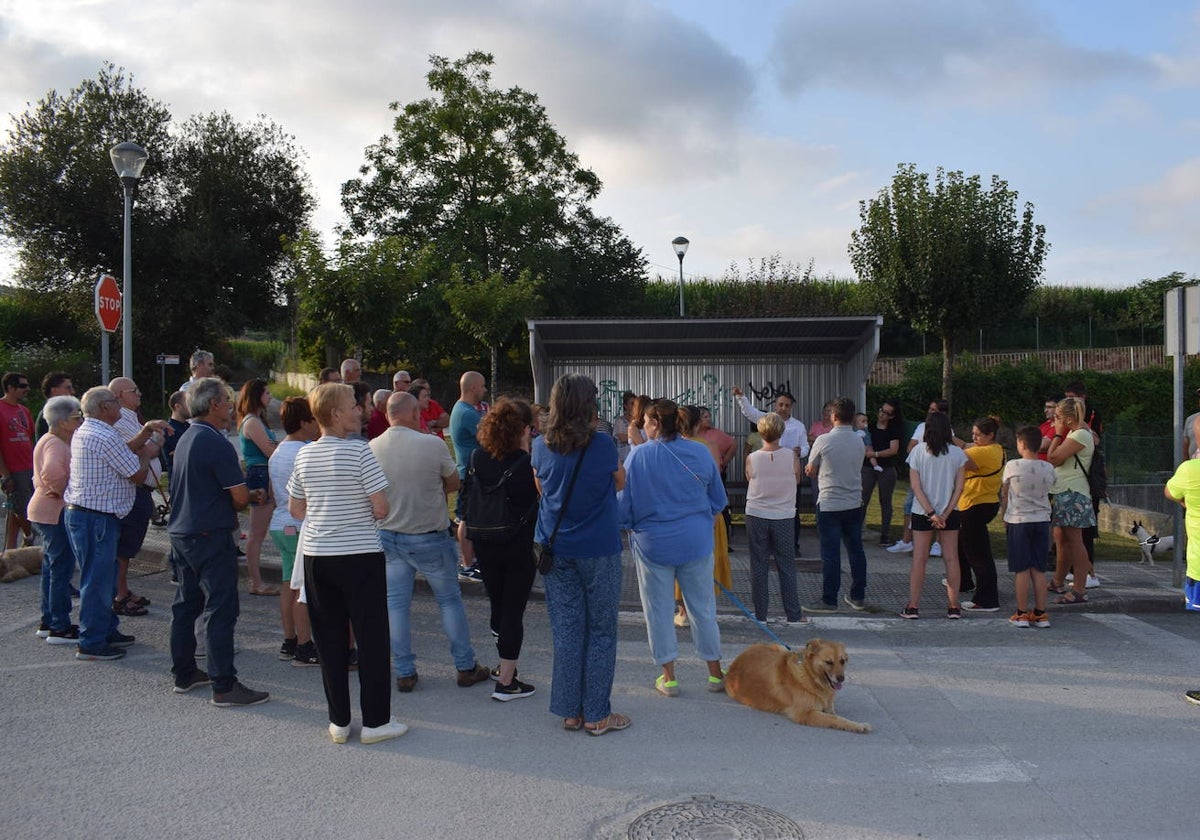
(489, 514)
(543, 553)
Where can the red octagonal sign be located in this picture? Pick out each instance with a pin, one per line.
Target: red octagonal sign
(108, 302)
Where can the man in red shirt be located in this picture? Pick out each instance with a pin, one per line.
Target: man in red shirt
(1049, 405)
(16, 454)
(378, 424)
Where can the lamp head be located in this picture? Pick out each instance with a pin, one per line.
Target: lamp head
(681, 245)
(128, 159)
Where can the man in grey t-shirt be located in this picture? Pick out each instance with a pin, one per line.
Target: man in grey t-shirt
(836, 462)
(1189, 432)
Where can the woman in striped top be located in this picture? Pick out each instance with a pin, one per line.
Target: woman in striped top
(337, 488)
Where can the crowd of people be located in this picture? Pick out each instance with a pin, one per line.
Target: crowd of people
(355, 498)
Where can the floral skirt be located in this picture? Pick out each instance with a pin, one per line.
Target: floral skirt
(1071, 510)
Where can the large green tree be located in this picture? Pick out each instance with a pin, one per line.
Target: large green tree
(949, 258)
(213, 203)
(483, 177)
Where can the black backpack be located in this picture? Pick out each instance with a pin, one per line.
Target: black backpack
(489, 513)
(1097, 477)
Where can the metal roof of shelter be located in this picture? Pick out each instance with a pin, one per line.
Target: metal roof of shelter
(825, 339)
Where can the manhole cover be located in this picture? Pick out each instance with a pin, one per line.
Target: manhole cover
(707, 818)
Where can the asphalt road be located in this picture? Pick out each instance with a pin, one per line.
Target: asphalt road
(981, 731)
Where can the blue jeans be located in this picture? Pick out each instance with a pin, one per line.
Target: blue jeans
(208, 583)
(58, 564)
(93, 538)
(433, 556)
(837, 528)
(582, 598)
(656, 583)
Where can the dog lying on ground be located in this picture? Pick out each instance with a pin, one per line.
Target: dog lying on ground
(18, 563)
(800, 685)
(1150, 544)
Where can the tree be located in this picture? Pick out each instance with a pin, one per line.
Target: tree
(951, 259)
(488, 308)
(485, 179)
(213, 203)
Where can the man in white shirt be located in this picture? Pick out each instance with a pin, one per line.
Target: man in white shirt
(420, 473)
(795, 436)
(201, 365)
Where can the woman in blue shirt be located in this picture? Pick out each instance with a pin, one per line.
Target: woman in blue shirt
(583, 591)
(673, 491)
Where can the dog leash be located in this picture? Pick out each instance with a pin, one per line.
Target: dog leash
(750, 615)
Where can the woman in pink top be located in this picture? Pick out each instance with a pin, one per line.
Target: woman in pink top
(51, 469)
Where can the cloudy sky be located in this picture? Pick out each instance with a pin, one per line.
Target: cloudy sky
(752, 128)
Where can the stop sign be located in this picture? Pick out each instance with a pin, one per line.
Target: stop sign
(108, 302)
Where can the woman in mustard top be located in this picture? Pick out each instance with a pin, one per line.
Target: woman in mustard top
(978, 505)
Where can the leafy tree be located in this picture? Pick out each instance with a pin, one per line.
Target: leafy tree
(488, 308)
(212, 205)
(485, 179)
(948, 259)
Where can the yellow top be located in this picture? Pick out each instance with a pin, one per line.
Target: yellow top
(1185, 485)
(983, 483)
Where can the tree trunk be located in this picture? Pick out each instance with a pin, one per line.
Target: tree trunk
(947, 368)
(495, 385)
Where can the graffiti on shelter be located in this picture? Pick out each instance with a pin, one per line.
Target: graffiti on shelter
(710, 394)
(769, 392)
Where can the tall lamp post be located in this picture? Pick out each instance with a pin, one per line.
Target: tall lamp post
(680, 244)
(128, 159)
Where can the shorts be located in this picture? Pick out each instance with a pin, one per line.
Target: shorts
(920, 522)
(22, 492)
(135, 523)
(461, 501)
(287, 545)
(258, 478)
(1028, 546)
(1071, 510)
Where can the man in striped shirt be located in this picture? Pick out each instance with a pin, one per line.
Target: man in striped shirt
(101, 490)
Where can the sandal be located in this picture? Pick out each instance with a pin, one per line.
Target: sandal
(126, 607)
(614, 722)
(1055, 589)
(573, 724)
(264, 590)
(137, 600)
(1072, 597)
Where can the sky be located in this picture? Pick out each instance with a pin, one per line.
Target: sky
(752, 128)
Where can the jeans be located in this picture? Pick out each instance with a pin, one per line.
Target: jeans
(656, 583)
(58, 564)
(433, 556)
(93, 539)
(887, 485)
(582, 598)
(208, 583)
(837, 528)
(772, 538)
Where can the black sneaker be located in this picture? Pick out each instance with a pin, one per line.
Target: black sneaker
(119, 640)
(43, 630)
(69, 636)
(512, 691)
(239, 695)
(196, 680)
(100, 654)
(470, 574)
(306, 656)
(1192, 697)
(495, 673)
(287, 651)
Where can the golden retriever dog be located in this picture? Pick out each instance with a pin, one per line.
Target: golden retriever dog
(798, 685)
(18, 563)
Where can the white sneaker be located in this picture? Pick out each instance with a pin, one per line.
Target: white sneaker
(375, 734)
(1092, 582)
(900, 547)
(339, 734)
(935, 550)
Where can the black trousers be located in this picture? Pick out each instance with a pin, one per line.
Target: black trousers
(508, 572)
(351, 590)
(975, 553)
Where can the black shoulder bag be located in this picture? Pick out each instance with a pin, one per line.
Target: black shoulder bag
(543, 553)
(490, 516)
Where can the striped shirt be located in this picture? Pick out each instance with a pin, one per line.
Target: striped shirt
(101, 465)
(129, 428)
(335, 477)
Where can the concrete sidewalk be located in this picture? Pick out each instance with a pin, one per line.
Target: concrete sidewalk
(1125, 587)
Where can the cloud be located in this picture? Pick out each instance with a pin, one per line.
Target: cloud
(980, 51)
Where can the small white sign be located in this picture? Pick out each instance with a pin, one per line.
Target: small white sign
(164, 359)
(1191, 314)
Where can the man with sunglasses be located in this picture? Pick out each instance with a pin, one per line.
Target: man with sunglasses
(16, 455)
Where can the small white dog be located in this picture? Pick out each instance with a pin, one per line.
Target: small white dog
(1151, 544)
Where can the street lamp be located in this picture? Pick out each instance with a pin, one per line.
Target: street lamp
(128, 159)
(680, 244)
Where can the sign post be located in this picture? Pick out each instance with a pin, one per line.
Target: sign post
(108, 313)
(163, 360)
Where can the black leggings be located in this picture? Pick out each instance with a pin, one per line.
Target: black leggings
(887, 485)
(508, 576)
(975, 553)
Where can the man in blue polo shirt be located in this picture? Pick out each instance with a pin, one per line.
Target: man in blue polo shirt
(464, 422)
(207, 491)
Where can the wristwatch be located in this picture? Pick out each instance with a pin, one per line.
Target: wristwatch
(929, 514)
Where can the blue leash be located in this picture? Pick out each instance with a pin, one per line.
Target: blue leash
(750, 615)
